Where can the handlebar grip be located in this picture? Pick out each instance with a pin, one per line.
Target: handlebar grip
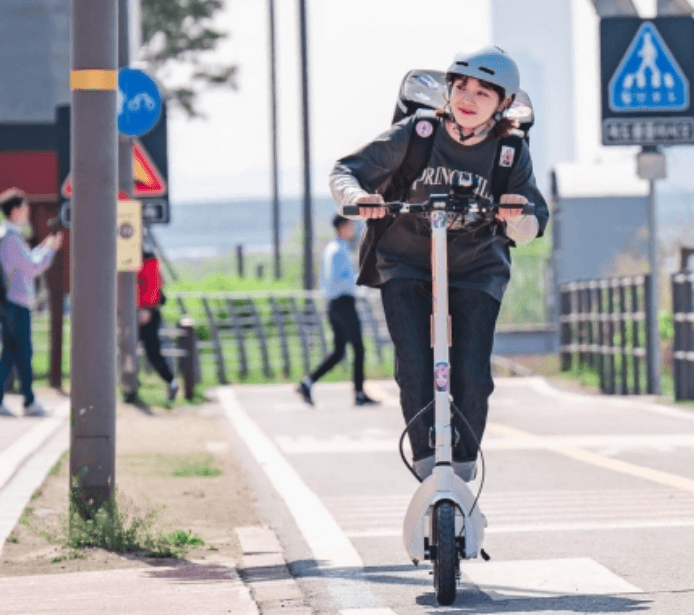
(529, 208)
(350, 210)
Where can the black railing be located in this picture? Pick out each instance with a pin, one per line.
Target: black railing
(605, 325)
(683, 345)
(266, 333)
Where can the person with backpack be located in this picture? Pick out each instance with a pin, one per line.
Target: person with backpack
(338, 285)
(149, 300)
(468, 142)
(20, 266)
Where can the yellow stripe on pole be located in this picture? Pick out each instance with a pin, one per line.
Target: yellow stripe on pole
(94, 79)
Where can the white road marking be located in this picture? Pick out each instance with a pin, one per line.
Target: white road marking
(545, 579)
(518, 512)
(540, 385)
(495, 441)
(379, 392)
(331, 548)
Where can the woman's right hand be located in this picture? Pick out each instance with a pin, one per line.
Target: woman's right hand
(371, 212)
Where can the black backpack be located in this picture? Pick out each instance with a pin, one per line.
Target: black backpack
(422, 93)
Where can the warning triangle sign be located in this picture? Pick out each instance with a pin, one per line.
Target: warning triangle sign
(147, 180)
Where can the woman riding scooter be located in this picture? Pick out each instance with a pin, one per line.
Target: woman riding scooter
(481, 85)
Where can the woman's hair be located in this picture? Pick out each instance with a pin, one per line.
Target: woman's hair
(11, 198)
(485, 84)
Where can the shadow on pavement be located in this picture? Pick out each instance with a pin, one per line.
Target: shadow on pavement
(472, 600)
(194, 572)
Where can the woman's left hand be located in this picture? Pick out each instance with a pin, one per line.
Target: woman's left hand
(511, 199)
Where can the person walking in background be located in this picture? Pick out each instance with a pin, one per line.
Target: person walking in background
(149, 298)
(20, 266)
(338, 285)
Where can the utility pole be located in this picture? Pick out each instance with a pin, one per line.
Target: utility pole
(308, 214)
(273, 116)
(127, 312)
(93, 249)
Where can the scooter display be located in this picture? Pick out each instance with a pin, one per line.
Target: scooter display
(444, 523)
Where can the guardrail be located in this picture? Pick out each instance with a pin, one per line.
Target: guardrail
(266, 331)
(179, 345)
(683, 346)
(605, 324)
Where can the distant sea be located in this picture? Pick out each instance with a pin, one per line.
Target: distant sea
(203, 230)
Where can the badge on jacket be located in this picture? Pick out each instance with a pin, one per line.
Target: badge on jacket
(424, 128)
(507, 155)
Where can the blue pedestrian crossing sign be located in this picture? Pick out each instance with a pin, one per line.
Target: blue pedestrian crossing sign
(648, 78)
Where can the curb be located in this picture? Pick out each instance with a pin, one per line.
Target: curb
(29, 460)
(264, 571)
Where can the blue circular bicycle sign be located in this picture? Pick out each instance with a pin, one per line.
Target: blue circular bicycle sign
(139, 102)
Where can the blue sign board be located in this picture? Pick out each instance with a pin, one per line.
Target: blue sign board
(648, 78)
(646, 73)
(139, 102)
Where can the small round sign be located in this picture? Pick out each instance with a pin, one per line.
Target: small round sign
(126, 230)
(139, 102)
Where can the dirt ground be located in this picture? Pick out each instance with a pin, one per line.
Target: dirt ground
(179, 459)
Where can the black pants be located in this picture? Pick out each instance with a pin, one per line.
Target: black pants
(149, 336)
(16, 348)
(408, 307)
(344, 321)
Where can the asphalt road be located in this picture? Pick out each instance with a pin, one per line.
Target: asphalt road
(589, 500)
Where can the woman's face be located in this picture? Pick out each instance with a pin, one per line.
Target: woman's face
(472, 103)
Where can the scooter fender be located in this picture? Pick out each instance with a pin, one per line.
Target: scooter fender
(443, 484)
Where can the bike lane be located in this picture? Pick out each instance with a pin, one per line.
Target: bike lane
(589, 501)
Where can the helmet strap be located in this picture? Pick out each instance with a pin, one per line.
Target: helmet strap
(480, 132)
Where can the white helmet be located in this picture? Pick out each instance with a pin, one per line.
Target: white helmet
(489, 64)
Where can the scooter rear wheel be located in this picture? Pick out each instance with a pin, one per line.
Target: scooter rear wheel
(445, 558)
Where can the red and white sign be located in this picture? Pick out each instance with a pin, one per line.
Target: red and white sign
(147, 180)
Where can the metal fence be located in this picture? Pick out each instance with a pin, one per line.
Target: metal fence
(683, 343)
(269, 333)
(178, 339)
(604, 325)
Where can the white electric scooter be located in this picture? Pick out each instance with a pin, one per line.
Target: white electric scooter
(444, 523)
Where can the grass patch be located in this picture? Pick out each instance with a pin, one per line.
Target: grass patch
(72, 554)
(59, 465)
(206, 466)
(27, 519)
(119, 527)
(181, 538)
(163, 465)
(12, 539)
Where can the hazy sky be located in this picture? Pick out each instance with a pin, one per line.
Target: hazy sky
(359, 51)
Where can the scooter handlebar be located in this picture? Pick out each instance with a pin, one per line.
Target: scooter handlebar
(398, 207)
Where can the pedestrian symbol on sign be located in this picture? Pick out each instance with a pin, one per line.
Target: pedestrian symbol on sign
(648, 78)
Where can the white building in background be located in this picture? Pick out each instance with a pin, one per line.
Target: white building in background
(539, 36)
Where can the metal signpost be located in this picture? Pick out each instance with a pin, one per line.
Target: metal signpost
(647, 68)
(93, 250)
(127, 308)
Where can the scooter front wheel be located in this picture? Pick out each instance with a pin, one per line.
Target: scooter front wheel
(445, 556)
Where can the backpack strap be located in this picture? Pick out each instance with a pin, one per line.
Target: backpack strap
(426, 123)
(508, 152)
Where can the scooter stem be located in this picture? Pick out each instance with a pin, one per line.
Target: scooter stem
(441, 333)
